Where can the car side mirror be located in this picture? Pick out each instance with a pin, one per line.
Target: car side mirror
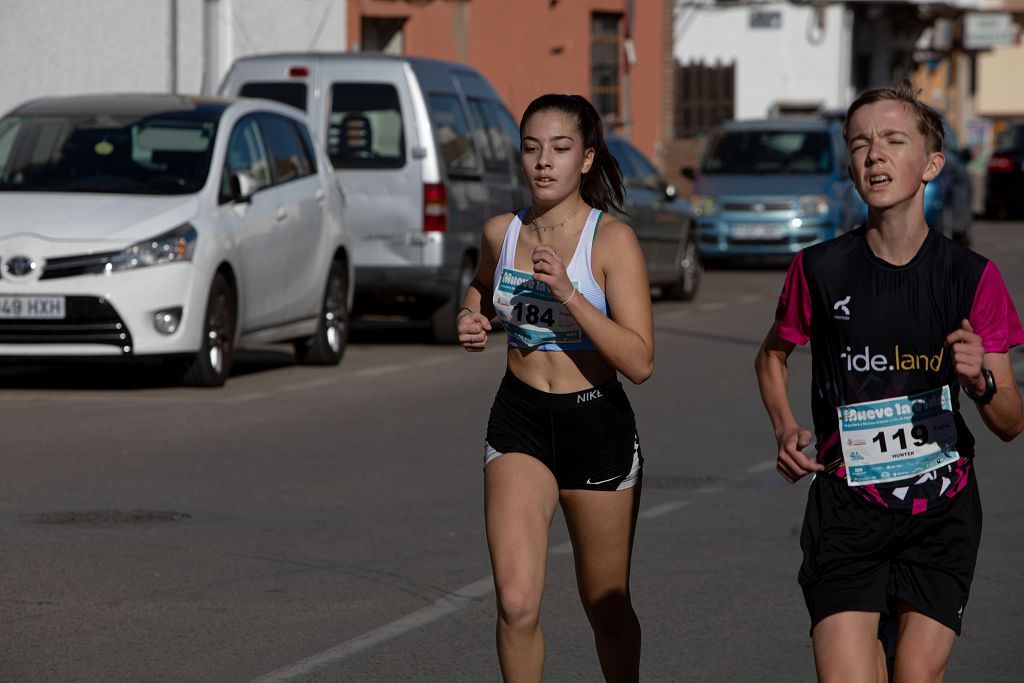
(243, 187)
(688, 173)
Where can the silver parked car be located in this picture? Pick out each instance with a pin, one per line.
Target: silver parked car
(168, 227)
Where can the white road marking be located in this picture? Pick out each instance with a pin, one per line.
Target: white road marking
(762, 467)
(245, 398)
(381, 370)
(438, 360)
(663, 509)
(712, 306)
(312, 384)
(441, 607)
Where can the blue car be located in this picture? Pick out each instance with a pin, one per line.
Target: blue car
(769, 188)
(947, 199)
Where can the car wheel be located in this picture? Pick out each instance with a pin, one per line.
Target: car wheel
(327, 345)
(690, 271)
(442, 321)
(211, 366)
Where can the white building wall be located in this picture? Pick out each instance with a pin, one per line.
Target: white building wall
(800, 61)
(68, 47)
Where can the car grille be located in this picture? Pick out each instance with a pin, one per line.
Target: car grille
(88, 320)
(68, 266)
(759, 207)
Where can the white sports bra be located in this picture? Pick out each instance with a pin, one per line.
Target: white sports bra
(532, 318)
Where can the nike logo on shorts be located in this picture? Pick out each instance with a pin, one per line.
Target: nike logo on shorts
(603, 481)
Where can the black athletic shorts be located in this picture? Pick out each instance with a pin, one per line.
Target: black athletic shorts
(587, 439)
(862, 557)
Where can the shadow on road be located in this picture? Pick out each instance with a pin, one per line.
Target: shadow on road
(123, 376)
(94, 375)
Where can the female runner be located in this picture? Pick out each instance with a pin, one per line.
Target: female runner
(569, 284)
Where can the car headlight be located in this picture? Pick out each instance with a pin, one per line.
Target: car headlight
(814, 205)
(703, 205)
(170, 247)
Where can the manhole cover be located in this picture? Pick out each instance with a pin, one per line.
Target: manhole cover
(105, 517)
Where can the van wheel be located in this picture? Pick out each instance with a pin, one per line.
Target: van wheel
(211, 366)
(442, 321)
(690, 271)
(327, 345)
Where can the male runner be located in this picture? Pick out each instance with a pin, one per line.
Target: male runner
(903, 324)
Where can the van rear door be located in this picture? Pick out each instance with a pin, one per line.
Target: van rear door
(369, 132)
(282, 79)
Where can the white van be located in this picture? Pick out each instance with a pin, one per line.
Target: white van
(424, 150)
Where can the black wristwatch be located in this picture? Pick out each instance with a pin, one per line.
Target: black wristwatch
(990, 389)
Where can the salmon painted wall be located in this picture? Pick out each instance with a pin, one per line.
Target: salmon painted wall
(530, 47)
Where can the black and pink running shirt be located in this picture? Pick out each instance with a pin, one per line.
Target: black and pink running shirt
(878, 331)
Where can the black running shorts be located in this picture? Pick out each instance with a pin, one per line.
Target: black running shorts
(587, 439)
(859, 556)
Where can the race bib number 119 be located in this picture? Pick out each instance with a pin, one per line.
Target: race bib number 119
(897, 438)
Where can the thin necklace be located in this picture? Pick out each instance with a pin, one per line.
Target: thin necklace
(537, 226)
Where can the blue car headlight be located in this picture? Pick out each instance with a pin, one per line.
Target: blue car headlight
(813, 205)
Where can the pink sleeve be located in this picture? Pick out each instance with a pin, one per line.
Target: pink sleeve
(993, 316)
(793, 315)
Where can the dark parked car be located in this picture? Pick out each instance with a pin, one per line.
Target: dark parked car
(1004, 180)
(663, 223)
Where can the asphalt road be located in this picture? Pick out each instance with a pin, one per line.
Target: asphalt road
(328, 523)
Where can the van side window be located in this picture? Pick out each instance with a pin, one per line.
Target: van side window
(364, 126)
(510, 127)
(246, 154)
(288, 93)
(494, 141)
(289, 158)
(453, 135)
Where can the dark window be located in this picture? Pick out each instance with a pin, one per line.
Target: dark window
(288, 156)
(167, 153)
(246, 154)
(618, 150)
(604, 63)
(494, 141)
(646, 175)
(509, 125)
(454, 136)
(775, 151)
(705, 97)
(383, 34)
(289, 93)
(364, 129)
(308, 144)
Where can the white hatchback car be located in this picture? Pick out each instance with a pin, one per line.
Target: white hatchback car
(168, 227)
